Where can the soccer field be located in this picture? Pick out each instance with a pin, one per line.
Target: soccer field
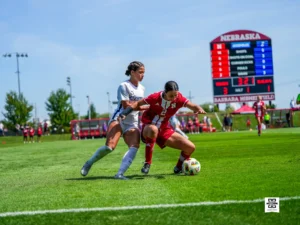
(41, 183)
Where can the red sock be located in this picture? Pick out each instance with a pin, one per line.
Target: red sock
(182, 157)
(259, 128)
(149, 149)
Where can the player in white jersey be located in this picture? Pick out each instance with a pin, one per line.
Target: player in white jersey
(128, 92)
(175, 124)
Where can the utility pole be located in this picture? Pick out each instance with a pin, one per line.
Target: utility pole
(88, 97)
(69, 83)
(190, 97)
(18, 69)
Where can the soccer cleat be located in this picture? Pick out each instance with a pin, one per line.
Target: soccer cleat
(145, 168)
(120, 177)
(85, 169)
(177, 170)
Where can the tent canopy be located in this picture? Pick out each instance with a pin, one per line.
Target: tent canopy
(245, 109)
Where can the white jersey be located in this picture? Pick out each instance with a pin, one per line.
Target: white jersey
(128, 92)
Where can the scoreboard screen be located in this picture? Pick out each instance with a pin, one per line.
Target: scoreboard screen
(242, 67)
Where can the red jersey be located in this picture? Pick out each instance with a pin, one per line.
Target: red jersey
(39, 131)
(31, 132)
(259, 108)
(25, 132)
(160, 110)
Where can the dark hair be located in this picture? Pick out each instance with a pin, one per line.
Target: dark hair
(133, 66)
(171, 86)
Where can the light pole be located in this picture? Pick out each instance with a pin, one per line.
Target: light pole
(69, 83)
(88, 97)
(108, 102)
(18, 70)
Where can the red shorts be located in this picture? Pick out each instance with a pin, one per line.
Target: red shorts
(163, 135)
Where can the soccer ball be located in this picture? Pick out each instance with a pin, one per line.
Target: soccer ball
(191, 166)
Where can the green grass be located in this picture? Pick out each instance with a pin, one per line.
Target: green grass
(235, 166)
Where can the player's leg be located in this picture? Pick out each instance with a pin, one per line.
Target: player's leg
(149, 135)
(132, 139)
(112, 138)
(178, 130)
(258, 118)
(176, 141)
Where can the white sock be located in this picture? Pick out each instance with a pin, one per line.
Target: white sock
(181, 132)
(127, 159)
(99, 154)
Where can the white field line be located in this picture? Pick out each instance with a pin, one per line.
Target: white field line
(226, 202)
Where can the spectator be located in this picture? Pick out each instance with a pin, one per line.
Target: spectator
(25, 135)
(31, 134)
(17, 127)
(196, 125)
(248, 123)
(208, 124)
(1, 129)
(226, 123)
(267, 119)
(230, 122)
(46, 128)
(288, 119)
(77, 131)
(183, 124)
(190, 126)
(39, 133)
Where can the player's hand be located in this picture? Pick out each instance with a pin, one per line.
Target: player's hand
(200, 111)
(121, 117)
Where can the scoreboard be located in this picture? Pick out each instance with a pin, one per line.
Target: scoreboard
(242, 67)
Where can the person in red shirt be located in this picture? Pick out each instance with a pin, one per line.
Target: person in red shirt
(25, 134)
(156, 129)
(248, 123)
(260, 109)
(31, 134)
(39, 133)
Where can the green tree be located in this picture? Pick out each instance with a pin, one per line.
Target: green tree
(229, 108)
(93, 112)
(59, 109)
(18, 110)
(272, 106)
(207, 107)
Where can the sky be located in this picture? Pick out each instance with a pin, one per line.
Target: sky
(94, 41)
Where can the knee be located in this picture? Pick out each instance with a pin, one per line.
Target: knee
(137, 146)
(151, 132)
(191, 148)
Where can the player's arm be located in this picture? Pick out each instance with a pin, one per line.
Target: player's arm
(195, 108)
(133, 106)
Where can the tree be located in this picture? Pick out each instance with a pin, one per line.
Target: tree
(272, 106)
(59, 109)
(229, 108)
(207, 107)
(93, 112)
(18, 110)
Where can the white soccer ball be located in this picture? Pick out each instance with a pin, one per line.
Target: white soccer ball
(191, 166)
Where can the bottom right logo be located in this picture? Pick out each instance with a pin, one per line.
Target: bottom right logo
(271, 204)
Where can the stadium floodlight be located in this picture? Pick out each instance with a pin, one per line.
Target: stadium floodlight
(88, 97)
(18, 55)
(69, 83)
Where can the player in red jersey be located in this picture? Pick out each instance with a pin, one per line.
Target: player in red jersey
(163, 105)
(25, 134)
(260, 109)
(39, 133)
(31, 134)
